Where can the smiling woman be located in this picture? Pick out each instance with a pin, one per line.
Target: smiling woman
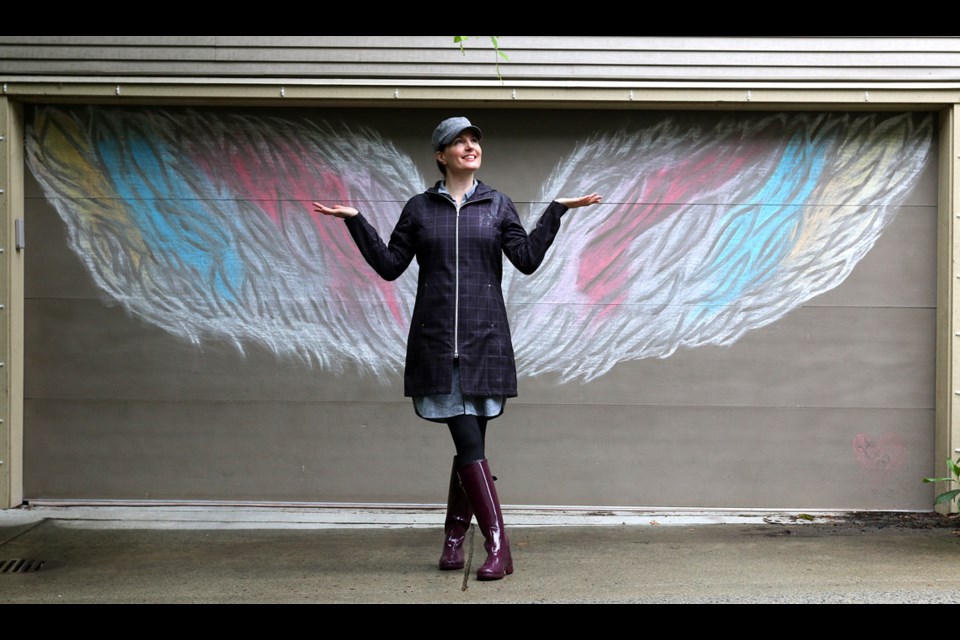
(460, 365)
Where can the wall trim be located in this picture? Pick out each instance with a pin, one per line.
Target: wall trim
(11, 314)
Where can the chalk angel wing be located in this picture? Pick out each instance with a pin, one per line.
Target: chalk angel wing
(200, 223)
(708, 232)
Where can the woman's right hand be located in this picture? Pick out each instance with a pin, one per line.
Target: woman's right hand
(337, 210)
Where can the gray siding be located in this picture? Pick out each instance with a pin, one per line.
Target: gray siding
(924, 61)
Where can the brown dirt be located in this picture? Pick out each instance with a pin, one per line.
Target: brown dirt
(867, 521)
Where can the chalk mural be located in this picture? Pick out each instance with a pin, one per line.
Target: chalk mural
(200, 223)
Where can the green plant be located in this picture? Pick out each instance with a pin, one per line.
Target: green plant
(495, 40)
(951, 495)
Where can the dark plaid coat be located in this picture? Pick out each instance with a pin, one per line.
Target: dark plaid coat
(472, 326)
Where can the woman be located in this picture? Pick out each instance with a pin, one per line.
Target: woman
(460, 365)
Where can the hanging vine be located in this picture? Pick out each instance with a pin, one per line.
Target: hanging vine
(498, 53)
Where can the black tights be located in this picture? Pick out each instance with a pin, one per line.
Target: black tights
(469, 436)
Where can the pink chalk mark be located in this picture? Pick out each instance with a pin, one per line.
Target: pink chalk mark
(884, 454)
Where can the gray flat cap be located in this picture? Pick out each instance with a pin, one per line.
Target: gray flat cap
(448, 130)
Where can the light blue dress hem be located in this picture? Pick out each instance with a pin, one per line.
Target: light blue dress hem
(438, 407)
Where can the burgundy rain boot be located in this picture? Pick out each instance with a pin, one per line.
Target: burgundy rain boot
(478, 483)
(456, 525)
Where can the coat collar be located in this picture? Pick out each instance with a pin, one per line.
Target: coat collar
(482, 191)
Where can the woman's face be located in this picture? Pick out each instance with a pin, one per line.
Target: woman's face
(463, 153)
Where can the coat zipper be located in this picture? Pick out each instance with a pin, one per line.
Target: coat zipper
(456, 301)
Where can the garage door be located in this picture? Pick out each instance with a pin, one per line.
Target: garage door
(747, 321)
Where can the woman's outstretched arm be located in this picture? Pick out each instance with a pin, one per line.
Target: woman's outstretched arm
(526, 251)
(389, 261)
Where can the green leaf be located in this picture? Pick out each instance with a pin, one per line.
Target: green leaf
(938, 479)
(954, 468)
(496, 47)
(805, 516)
(947, 496)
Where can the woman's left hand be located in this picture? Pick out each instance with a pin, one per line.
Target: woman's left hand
(337, 210)
(582, 201)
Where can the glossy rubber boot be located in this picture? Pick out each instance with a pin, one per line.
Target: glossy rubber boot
(456, 525)
(477, 481)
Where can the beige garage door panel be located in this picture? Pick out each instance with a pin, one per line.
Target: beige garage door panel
(716, 457)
